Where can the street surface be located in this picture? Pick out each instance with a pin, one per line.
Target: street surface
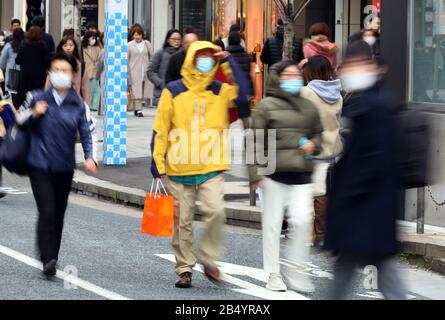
(104, 256)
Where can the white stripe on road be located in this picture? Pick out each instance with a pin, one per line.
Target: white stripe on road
(74, 281)
(247, 287)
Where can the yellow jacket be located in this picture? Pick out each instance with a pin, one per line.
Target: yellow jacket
(192, 117)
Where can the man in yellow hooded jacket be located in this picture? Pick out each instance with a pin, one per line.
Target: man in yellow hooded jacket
(190, 146)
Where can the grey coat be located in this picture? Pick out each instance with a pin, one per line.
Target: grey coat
(7, 62)
(157, 70)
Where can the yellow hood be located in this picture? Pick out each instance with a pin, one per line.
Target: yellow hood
(192, 78)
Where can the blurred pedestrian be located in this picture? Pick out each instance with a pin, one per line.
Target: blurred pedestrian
(7, 63)
(364, 199)
(176, 62)
(81, 82)
(319, 44)
(234, 28)
(33, 58)
(298, 133)
(15, 24)
(372, 38)
(196, 101)
(273, 48)
(325, 93)
(54, 118)
(48, 39)
(6, 122)
(374, 24)
(158, 65)
(140, 52)
(90, 55)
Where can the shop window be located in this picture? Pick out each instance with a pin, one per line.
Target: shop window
(428, 51)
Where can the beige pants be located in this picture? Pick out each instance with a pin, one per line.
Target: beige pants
(211, 196)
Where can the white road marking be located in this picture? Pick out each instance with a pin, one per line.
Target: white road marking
(247, 288)
(75, 281)
(12, 191)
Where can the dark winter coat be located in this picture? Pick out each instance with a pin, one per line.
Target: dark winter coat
(273, 50)
(33, 61)
(243, 59)
(363, 200)
(174, 66)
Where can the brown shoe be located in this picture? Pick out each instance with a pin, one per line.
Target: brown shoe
(185, 281)
(214, 275)
(319, 219)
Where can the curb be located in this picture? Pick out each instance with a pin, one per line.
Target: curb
(237, 214)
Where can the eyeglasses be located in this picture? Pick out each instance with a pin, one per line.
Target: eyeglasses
(176, 39)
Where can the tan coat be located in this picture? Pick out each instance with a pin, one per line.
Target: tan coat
(81, 85)
(91, 57)
(330, 119)
(138, 63)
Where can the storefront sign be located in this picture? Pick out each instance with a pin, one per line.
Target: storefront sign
(90, 12)
(116, 59)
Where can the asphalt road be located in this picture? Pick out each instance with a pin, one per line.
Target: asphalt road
(104, 256)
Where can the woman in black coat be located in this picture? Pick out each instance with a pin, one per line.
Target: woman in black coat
(33, 58)
(241, 56)
(364, 196)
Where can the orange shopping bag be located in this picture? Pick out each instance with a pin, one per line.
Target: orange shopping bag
(158, 213)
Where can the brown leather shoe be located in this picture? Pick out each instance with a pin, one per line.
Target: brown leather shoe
(213, 274)
(185, 281)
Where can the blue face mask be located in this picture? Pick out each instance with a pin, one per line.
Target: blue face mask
(292, 87)
(205, 65)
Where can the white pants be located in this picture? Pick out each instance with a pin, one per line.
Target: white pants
(319, 178)
(299, 201)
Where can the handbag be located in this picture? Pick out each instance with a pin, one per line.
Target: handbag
(14, 150)
(158, 212)
(130, 100)
(13, 80)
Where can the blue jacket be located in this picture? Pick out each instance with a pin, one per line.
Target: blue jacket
(53, 136)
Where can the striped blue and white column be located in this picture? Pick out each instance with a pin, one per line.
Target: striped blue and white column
(116, 65)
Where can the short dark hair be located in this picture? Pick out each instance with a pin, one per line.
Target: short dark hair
(235, 28)
(359, 50)
(320, 28)
(14, 21)
(317, 68)
(91, 25)
(68, 32)
(34, 36)
(62, 56)
(64, 40)
(234, 39)
(137, 28)
(39, 21)
(283, 65)
(86, 38)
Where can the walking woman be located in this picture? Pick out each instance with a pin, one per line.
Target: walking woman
(140, 53)
(298, 138)
(53, 119)
(90, 55)
(7, 61)
(33, 58)
(319, 44)
(325, 93)
(81, 82)
(158, 65)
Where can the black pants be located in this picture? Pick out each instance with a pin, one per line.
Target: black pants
(51, 191)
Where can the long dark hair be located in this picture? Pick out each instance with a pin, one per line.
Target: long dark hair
(34, 37)
(64, 41)
(86, 39)
(169, 34)
(17, 39)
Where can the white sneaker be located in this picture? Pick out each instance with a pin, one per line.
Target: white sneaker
(276, 283)
(299, 282)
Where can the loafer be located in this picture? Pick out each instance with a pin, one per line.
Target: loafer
(185, 281)
(213, 274)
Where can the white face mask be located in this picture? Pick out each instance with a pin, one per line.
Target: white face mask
(92, 42)
(370, 40)
(358, 81)
(60, 80)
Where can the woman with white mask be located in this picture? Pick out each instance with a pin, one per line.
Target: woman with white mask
(372, 38)
(90, 55)
(54, 118)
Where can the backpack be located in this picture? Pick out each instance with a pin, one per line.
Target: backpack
(413, 141)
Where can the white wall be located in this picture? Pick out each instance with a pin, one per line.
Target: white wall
(159, 23)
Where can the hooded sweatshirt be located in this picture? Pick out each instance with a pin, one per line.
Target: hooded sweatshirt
(192, 116)
(327, 98)
(293, 118)
(321, 46)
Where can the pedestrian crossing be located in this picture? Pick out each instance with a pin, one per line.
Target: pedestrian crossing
(12, 191)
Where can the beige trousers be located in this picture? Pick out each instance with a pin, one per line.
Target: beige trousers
(211, 196)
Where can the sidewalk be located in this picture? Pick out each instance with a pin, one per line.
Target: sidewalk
(129, 184)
